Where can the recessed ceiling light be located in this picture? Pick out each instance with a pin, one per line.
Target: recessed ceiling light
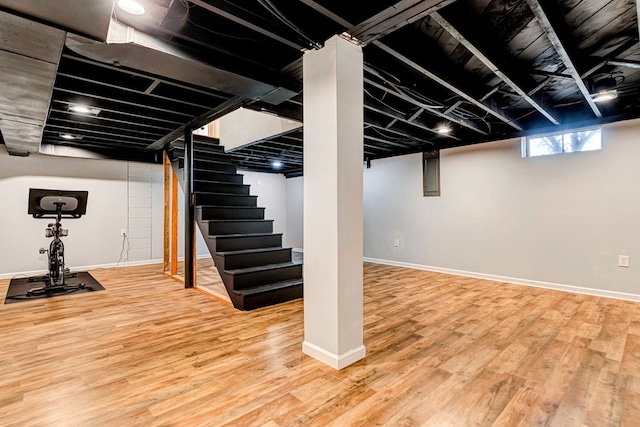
(276, 164)
(69, 136)
(443, 129)
(605, 95)
(131, 6)
(83, 109)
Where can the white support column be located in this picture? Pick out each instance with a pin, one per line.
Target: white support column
(333, 156)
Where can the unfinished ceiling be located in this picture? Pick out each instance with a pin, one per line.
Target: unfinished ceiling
(487, 69)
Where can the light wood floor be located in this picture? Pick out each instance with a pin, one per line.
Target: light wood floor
(441, 351)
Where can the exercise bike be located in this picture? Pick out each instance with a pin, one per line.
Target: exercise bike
(56, 204)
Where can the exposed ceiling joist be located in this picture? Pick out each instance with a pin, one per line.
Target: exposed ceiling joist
(482, 105)
(397, 16)
(376, 105)
(246, 24)
(535, 103)
(559, 46)
(431, 110)
(226, 107)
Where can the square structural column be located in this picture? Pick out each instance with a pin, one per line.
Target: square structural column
(333, 158)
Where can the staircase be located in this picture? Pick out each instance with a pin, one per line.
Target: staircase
(255, 269)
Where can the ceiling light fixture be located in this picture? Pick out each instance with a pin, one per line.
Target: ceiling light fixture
(69, 136)
(276, 164)
(83, 109)
(131, 6)
(605, 89)
(443, 129)
(605, 95)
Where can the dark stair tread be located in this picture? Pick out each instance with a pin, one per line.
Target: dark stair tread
(237, 235)
(208, 181)
(251, 251)
(268, 287)
(260, 268)
(208, 193)
(236, 220)
(227, 207)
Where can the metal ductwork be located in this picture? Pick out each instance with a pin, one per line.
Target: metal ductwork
(128, 47)
(29, 56)
(30, 51)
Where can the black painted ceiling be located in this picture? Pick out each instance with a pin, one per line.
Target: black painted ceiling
(489, 69)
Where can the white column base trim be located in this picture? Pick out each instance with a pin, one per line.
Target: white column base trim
(515, 281)
(336, 361)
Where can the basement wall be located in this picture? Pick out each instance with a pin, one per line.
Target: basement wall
(122, 195)
(557, 221)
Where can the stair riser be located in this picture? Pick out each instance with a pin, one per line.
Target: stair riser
(251, 302)
(210, 166)
(200, 149)
(203, 175)
(241, 243)
(243, 281)
(226, 200)
(243, 227)
(232, 262)
(219, 187)
(218, 156)
(230, 213)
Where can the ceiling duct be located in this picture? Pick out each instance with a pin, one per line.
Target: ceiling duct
(26, 45)
(136, 50)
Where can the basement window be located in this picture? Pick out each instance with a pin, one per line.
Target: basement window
(558, 143)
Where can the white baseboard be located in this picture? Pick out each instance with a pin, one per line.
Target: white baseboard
(95, 267)
(513, 280)
(82, 268)
(336, 361)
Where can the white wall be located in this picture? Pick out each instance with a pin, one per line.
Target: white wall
(94, 239)
(272, 195)
(295, 212)
(244, 126)
(560, 219)
(122, 195)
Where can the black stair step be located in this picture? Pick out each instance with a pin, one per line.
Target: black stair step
(217, 199)
(270, 294)
(209, 165)
(198, 146)
(229, 212)
(239, 226)
(221, 187)
(219, 176)
(244, 278)
(236, 242)
(234, 260)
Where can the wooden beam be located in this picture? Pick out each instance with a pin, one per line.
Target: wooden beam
(395, 17)
(174, 224)
(624, 63)
(226, 107)
(559, 46)
(247, 24)
(429, 6)
(166, 184)
(537, 104)
(375, 105)
(430, 109)
(501, 115)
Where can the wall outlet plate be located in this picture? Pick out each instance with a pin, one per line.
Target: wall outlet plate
(623, 261)
(123, 232)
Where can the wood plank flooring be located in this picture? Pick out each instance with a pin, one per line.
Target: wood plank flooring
(442, 350)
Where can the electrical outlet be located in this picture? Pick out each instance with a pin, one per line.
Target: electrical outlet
(623, 261)
(396, 242)
(123, 232)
